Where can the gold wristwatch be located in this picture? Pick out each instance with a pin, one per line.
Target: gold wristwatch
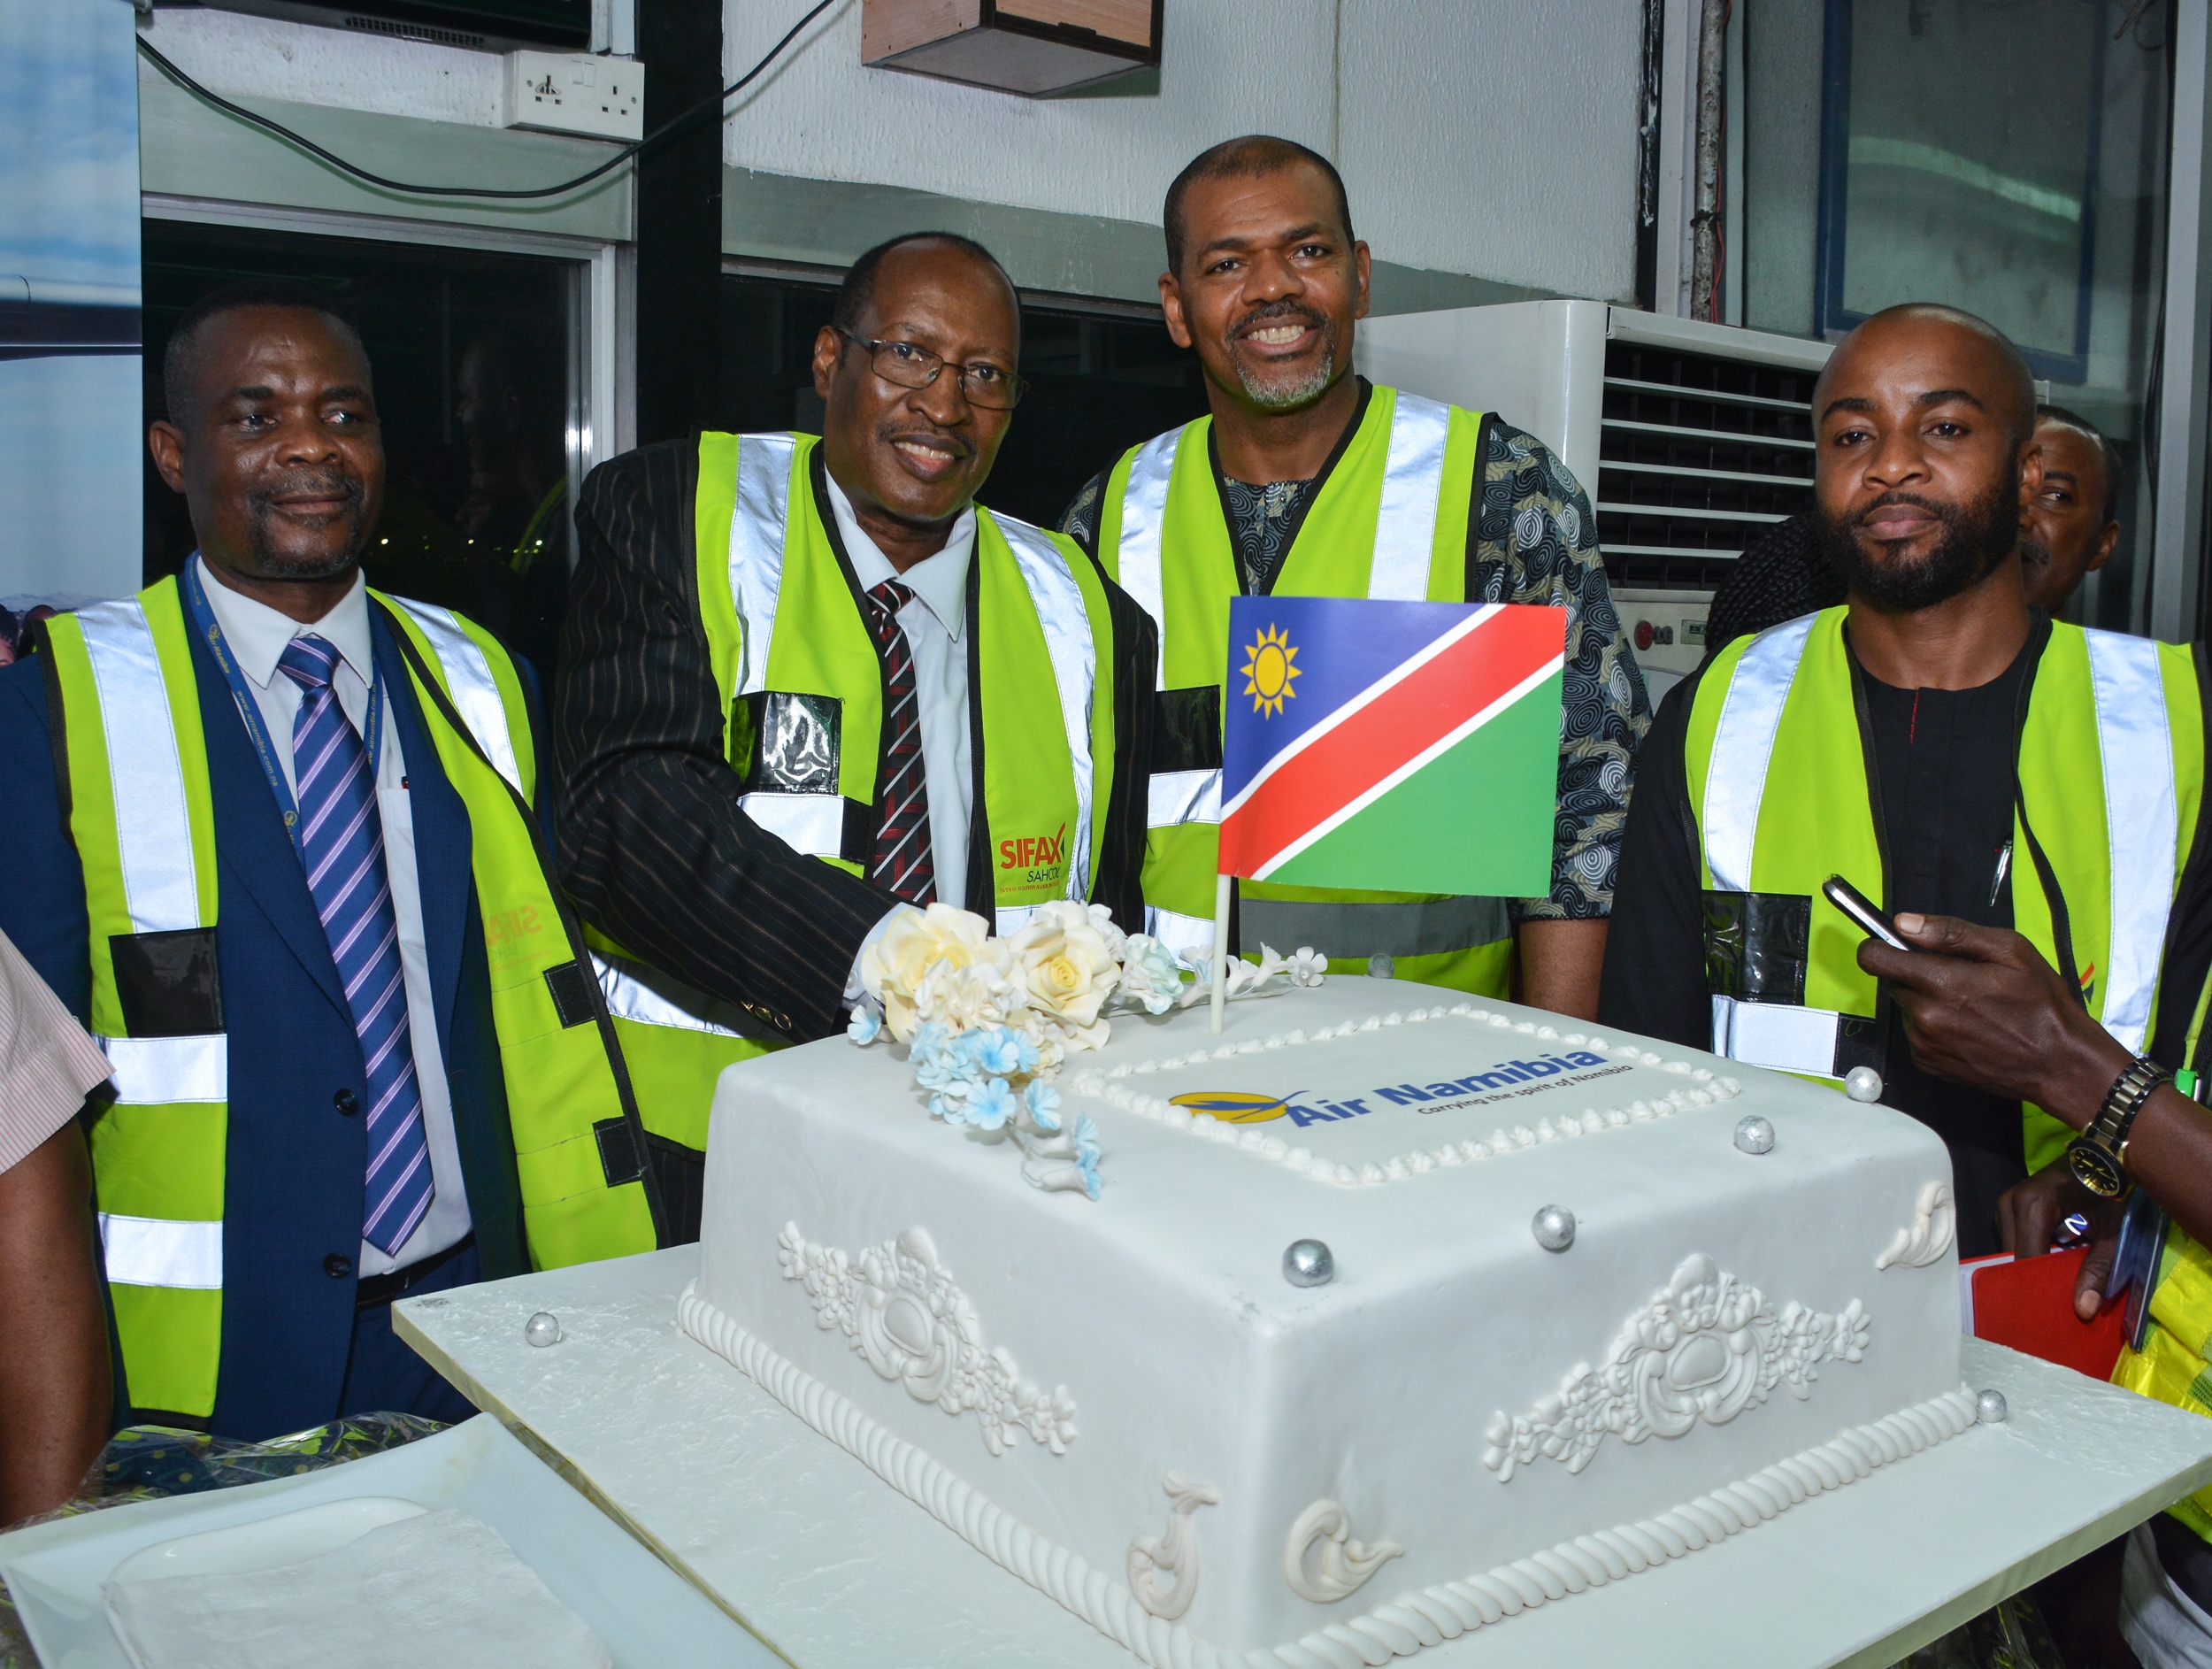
(2097, 1155)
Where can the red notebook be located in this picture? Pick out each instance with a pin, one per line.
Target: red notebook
(2028, 1303)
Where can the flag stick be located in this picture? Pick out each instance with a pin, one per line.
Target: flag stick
(1222, 885)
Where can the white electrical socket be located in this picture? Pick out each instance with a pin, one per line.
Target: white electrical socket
(560, 93)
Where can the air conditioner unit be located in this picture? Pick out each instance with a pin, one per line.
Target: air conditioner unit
(1690, 438)
(484, 25)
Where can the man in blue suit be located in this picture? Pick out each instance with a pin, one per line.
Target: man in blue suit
(313, 1108)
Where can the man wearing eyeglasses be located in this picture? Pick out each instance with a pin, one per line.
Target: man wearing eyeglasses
(805, 683)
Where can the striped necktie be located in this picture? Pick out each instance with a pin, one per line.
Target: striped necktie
(341, 844)
(902, 861)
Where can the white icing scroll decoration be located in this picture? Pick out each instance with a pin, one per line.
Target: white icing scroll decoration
(1705, 1348)
(1415, 1619)
(897, 1304)
(1175, 1553)
(1344, 1565)
(1933, 1219)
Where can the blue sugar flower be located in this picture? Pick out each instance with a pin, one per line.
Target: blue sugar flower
(1043, 1102)
(1087, 1154)
(991, 1105)
(998, 1051)
(866, 1025)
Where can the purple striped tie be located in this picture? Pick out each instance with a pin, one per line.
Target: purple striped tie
(901, 862)
(341, 844)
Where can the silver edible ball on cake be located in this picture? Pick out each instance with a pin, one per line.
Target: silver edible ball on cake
(1989, 1408)
(1308, 1263)
(1382, 965)
(1554, 1227)
(542, 1329)
(1862, 1083)
(1754, 1134)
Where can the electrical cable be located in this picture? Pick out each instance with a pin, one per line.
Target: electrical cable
(672, 128)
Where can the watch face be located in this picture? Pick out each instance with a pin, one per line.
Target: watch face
(2096, 1169)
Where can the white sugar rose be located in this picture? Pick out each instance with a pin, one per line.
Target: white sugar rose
(915, 942)
(1070, 971)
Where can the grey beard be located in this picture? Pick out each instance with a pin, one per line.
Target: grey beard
(1289, 397)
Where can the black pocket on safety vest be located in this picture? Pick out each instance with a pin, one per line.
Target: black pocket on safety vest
(1186, 729)
(784, 742)
(168, 984)
(1756, 944)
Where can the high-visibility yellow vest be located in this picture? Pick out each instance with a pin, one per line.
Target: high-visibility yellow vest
(2175, 1363)
(1390, 522)
(2111, 770)
(141, 813)
(801, 686)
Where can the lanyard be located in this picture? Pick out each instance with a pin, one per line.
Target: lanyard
(211, 632)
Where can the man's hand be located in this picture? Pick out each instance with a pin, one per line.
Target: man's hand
(1982, 1007)
(2030, 1212)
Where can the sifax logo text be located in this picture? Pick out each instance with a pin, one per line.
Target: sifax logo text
(1232, 1106)
(1033, 852)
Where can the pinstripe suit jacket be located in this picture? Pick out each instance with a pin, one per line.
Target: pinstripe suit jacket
(657, 853)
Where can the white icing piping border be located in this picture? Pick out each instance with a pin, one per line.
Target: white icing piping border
(1703, 1090)
(1424, 1617)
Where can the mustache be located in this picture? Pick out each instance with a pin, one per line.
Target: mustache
(1270, 312)
(304, 483)
(958, 446)
(1936, 507)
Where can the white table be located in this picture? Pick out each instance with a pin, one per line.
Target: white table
(831, 1567)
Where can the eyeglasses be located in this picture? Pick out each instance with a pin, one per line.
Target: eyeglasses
(981, 383)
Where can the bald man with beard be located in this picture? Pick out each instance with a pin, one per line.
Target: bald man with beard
(1988, 777)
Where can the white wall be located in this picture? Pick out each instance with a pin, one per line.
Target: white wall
(1496, 138)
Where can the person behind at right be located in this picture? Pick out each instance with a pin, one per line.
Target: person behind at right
(1945, 747)
(2072, 525)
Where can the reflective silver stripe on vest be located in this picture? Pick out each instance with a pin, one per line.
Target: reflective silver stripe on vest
(160, 1251)
(631, 998)
(468, 677)
(1351, 931)
(158, 1070)
(1058, 600)
(812, 825)
(2141, 823)
(153, 826)
(757, 523)
(1184, 936)
(1413, 482)
(1143, 516)
(1175, 797)
(1779, 1035)
(1743, 745)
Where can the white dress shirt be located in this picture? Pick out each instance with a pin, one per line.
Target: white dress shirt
(932, 622)
(258, 635)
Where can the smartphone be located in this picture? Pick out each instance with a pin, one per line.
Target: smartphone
(1855, 904)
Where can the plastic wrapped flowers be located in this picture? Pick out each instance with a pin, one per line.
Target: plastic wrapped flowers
(988, 1021)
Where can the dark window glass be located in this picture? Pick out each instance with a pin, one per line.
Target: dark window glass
(473, 354)
(1100, 383)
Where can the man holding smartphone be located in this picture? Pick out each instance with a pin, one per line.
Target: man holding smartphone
(1936, 741)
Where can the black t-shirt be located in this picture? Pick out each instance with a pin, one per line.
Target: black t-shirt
(1944, 765)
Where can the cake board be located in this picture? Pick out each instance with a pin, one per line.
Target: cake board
(832, 1569)
(648, 1617)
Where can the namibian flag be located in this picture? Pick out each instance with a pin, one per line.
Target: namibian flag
(1408, 747)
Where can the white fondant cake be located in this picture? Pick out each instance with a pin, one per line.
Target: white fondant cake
(1129, 1404)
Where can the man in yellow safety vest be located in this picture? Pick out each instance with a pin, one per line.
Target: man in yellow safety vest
(808, 682)
(1306, 480)
(273, 839)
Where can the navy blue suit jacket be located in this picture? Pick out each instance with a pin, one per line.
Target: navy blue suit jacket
(293, 1184)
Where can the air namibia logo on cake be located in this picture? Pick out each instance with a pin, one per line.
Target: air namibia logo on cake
(1304, 1107)
(1412, 747)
